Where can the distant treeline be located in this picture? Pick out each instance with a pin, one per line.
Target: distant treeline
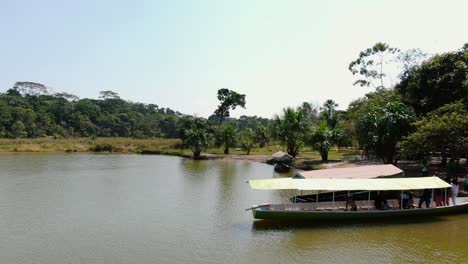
(29, 110)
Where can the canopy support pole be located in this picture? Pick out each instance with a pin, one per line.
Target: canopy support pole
(445, 199)
(316, 199)
(368, 202)
(432, 198)
(333, 201)
(401, 202)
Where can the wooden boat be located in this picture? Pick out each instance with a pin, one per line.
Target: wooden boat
(337, 210)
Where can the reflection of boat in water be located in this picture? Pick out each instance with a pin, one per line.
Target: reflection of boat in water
(282, 167)
(337, 209)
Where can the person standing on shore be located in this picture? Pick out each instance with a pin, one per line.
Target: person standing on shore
(454, 190)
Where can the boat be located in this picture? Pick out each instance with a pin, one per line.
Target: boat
(365, 209)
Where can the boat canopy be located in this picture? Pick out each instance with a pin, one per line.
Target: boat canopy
(360, 172)
(320, 185)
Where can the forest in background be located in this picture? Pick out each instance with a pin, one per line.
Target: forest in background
(423, 113)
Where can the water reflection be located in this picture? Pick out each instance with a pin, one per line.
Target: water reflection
(156, 209)
(195, 167)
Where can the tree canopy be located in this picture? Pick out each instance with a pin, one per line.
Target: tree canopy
(439, 80)
(229, 100)
(291, 129)
(370, 65)
(382, 121)
(444, 130)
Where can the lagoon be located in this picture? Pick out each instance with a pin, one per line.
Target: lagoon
(118, 208)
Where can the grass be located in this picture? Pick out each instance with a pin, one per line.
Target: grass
(145, 146)
(120, 145)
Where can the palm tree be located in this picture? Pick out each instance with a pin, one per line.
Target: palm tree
(324, 137)
(290, 128)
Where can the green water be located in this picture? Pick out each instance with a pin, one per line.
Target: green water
(83, 208)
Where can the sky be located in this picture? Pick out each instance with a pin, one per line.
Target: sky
(177, 53)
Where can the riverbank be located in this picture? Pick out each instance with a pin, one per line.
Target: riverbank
(307, 160)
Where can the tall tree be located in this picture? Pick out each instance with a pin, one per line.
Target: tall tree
(229, 100)
(108, 95)
(291, 129)
(30, 88)
(370, 65)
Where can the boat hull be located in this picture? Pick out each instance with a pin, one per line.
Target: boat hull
(263, 212)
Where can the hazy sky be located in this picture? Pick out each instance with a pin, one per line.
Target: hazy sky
(177, 54)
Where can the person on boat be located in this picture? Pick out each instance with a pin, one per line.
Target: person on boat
(439, 198)
(350, 201)
(454, 191)
(407, 198)
(425, 198)
(385, 205)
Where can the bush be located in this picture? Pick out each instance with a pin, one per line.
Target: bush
(105, 147)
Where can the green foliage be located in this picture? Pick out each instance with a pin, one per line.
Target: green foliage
(329, 113)
(225, 137)
(438, 81)
(18, 129)
(291, 129)
(443, 130)
(382, 121)
(328, 132)
(262, 136)
(197, 137)
(247, 140)
(229, 100)
(102, 148)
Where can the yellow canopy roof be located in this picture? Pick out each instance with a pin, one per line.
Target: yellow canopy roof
(349, 184)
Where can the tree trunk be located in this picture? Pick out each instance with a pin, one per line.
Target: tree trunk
(324, 155)
(196, 154)
(226, 149)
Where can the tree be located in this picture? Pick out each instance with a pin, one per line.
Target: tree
(382, 121)
(108, 95)
(311, 111)
(30, 88)
(18, 130)
(328, 132)
(370, 65)
(329, 114)
(410, 59)
(443, 130)
(438, 81)
(225, 137)
(67, 96)
(322, 139)
(247, 140)
(291, 128)
(262, 136)
(229, 100)
(197, 137)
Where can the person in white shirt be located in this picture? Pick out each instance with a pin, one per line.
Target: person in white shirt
(454, 189)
